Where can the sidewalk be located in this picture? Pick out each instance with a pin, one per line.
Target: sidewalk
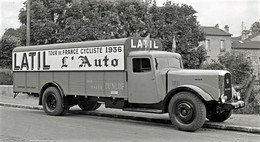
(237, 122)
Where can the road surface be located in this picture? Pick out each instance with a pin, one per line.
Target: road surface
(35, 126)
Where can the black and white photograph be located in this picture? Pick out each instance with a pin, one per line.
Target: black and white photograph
(129, 70)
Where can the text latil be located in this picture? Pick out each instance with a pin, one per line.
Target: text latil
(35, 57)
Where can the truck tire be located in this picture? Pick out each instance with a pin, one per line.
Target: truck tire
(89, 105)
(186, 111)
(97, 106)
(220, 117)
(52, 102)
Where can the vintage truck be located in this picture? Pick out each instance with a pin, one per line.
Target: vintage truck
(132, 74)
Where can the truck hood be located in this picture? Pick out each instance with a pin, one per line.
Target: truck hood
(207, 80)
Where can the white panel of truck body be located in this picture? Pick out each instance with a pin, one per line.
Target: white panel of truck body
(71, 59)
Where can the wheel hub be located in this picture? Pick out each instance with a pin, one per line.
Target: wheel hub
(51, 102)
(184, 112)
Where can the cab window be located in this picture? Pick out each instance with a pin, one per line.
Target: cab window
(141, 65)
(165, 62)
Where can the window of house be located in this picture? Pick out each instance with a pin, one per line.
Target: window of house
(141, 65)
(222, 46)
(207, 45)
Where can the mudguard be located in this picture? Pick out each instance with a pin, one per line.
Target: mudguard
(48, 84)
(204, 96)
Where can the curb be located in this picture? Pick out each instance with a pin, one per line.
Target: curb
(247, 129)
(210, 125)
(21, 106)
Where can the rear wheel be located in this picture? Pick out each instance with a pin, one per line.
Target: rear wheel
(52, 102)
(220, 117)
(86, 105)
(186, 111)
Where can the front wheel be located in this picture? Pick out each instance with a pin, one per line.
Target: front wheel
(52, 102)
(220, 117)
(186, 111)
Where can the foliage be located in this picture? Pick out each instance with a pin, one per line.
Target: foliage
(62, 21)
(54, 21)
(236, 63)
(7, 44)
(194, 58)
(12, 32)
(239, 66)
(241, 70)
(255, 28)
(250, 108)
(173, 20)
(213, 66)
(6, 77)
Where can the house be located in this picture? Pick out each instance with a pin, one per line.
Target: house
(216, 41)
(249, 45)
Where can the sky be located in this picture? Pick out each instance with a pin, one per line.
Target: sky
(209, 13)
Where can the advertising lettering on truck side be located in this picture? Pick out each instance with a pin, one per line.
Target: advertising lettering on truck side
(84, 58)
(132, 74)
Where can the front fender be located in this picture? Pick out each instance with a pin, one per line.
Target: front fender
(204, 96)
(197, 91)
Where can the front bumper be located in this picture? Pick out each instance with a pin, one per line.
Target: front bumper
(234, 105)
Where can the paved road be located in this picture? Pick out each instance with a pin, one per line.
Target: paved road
(33, 125)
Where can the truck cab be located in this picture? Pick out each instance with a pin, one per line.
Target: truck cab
(147, 69)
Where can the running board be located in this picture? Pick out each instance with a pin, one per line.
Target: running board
(144, 110)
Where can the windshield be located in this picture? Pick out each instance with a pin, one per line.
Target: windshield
(167, 62)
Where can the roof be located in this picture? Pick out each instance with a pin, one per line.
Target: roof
(130, 44)
(155, 53)
(214, 31)
(250, 37)
(71, 45)
(238, 44)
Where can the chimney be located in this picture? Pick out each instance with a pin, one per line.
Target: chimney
(245, 34)
(226, 28)
(217, 26)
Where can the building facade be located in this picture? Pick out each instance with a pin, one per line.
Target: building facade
(216, 42)
(249, 45)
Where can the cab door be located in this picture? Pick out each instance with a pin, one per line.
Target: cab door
(141, 80)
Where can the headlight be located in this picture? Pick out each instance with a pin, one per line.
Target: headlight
(238, 96)
(223, 98)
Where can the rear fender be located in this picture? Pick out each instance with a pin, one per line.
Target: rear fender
(49, 84)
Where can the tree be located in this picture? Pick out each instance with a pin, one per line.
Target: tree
(54, 21)
(238, 65)
(43, 27)
(63, 21)
(241, 70)
(7, 44)
(214, 65)
(11, 32)
(179, 21)
(255, 28)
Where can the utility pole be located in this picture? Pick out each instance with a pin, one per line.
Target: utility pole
(28, 24)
